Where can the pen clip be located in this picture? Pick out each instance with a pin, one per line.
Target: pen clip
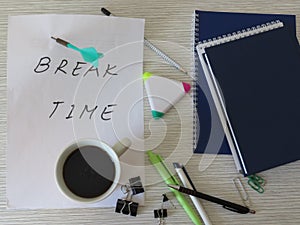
(234, 210)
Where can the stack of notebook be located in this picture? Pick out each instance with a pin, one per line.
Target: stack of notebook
(248, 71)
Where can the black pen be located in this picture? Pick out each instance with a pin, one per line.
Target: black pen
(226, 204)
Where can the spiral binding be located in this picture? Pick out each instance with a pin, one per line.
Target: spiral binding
(241, 34)
(194, 72)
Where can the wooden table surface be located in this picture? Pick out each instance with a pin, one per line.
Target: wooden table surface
(168, 25)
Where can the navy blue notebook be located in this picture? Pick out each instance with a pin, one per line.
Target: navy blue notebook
(256, 81)
(209, 136)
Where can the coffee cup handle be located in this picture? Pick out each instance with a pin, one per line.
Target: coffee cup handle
(121, 146)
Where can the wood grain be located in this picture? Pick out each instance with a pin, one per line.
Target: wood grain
(168, 25)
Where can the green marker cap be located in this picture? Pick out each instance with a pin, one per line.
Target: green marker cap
(153, 157)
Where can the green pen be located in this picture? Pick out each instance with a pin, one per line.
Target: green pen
(157, 161)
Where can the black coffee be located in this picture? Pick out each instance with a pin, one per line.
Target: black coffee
(89, 172)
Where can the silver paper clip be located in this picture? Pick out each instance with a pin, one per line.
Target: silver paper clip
(242, 191)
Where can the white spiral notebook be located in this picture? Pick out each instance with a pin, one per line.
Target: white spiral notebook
(255, 96)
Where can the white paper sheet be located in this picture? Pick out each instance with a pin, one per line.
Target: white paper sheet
(37, 134)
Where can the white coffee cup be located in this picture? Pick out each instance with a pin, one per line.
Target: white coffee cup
(113, 153)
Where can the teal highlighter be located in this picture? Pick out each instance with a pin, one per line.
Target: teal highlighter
(88, 54)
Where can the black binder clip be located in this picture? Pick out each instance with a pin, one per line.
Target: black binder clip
(162, 213)
(166, 199)
(127, 206)
(136, 185)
